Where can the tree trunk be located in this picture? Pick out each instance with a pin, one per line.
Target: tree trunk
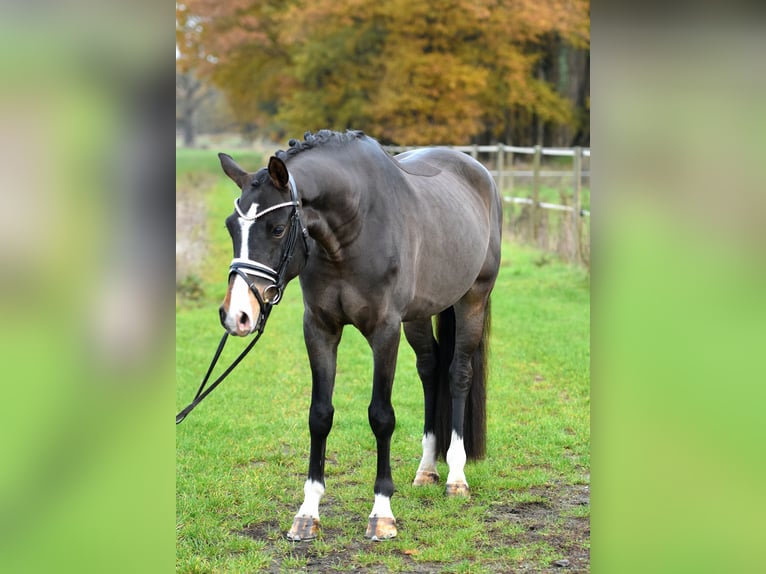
(188, 129)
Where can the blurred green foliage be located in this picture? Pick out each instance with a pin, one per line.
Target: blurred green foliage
(87, 450)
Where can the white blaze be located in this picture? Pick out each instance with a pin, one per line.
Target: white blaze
(240, 300)
(244, 226)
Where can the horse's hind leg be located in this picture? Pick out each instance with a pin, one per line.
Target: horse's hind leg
(420, 336)
(469, 330)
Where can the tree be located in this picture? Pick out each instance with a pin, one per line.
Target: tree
(191, 94)
(408, 72)
(190, 91)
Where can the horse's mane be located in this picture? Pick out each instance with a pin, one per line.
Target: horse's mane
(321, 138)
(328, 137)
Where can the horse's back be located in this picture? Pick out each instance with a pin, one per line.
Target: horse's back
(451, 193)
(441, 162)
(458, 218)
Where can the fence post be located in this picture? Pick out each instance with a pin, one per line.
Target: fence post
(577, 202)
(501, 168)
(536, 194)
(475, 151)
(577, 205)
(510, 165)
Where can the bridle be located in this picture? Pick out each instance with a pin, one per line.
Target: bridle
(248, 267)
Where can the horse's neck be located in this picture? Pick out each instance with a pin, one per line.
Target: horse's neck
(332, 204)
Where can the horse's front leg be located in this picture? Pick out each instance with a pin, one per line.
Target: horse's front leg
(322, 345)
(385, 345)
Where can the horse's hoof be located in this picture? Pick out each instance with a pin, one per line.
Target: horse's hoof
(458, 489)
(381, 528)
(303, 528)
(425, 478)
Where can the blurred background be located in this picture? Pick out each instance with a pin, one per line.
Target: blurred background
(87, 217)
(86, 328)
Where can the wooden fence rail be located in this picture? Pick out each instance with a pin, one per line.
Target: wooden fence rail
(569, 236)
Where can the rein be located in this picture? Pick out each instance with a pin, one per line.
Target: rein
(245, 267)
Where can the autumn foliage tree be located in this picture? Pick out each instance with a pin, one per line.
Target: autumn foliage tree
(448, 71)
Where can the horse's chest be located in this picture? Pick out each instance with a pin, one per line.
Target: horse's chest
(351, 300)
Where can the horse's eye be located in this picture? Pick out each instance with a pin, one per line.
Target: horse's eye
(278, 231)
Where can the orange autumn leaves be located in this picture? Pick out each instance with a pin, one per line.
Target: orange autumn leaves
(408, 72)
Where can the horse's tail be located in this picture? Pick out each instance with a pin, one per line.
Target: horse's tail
(475, 421)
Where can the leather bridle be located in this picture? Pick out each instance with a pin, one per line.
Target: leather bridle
(247, 269)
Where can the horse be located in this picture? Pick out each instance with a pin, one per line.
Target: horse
(383, 244)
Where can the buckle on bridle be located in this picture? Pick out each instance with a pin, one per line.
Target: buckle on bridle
(277, 295)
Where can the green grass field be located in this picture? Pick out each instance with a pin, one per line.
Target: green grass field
(242, 455)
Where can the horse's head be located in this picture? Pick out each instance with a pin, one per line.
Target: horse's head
(265, 229)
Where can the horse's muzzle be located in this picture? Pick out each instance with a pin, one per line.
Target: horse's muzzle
(240, 311)
(239, 323)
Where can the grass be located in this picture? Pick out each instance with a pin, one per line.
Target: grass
(242, 456)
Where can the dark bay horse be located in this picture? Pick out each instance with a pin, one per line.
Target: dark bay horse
(377, 242)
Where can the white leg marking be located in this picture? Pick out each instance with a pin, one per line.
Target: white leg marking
(428, 462)
(382, 507)
(312, 494)
(456, 460)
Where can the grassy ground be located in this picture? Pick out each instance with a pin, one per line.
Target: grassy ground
(242, 456)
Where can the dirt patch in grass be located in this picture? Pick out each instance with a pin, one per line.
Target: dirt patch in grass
(261, 530)
(548, 531)
(556, 521)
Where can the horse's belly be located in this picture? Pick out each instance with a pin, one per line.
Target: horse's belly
(444, 277)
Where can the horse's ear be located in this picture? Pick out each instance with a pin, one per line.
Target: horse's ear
(230, 168)
(278, 173)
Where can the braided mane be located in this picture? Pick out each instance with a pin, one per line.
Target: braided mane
(321, 138)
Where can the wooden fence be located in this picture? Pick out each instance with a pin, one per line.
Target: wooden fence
(521, 175)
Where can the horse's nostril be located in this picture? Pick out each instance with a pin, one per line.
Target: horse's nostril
(222, 314)
(244, 319)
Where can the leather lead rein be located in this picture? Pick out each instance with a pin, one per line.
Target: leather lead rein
(241, 267)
